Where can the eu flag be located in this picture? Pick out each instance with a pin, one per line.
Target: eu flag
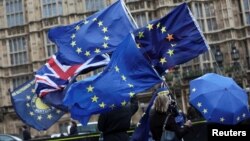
(31, 110)
(127, 74)
(171, 40)
(98, 34)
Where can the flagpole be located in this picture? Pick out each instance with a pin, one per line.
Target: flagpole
(129, 14)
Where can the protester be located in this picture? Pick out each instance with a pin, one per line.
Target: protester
(73, 128)
(114, 124)
(26, 133)
(158, 114)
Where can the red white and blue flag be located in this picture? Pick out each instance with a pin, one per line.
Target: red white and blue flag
(54, 76)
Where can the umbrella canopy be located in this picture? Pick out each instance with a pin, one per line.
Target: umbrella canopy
(219, 99)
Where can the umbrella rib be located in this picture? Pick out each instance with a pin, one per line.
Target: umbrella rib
(216, 105)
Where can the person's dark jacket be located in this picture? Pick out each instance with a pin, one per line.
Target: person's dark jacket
(114, 124)
(26, 135)
(157, 120)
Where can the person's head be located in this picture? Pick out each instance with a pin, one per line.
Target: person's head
(161, 102)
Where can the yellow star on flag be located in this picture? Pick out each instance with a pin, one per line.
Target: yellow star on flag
(73, 43)
(106, 38)
(131, 94)
(100, 23)
(49, 116)
(131, 85)
(87, 53)
(79, 50)
(73, 36)
(90, 88)
(163, 60)
(97, 50)
(163, 29)
(94, 98)
(58, 111)
(158, 25)
(105, 29)
(124, 103)
(105, 45)
(102, 105)
(77, 27)
(140, 34)
(150, 26)
(31, 113)
(39, 118)
(28, 97)
(86, 22)
(117, 69)
(170, 52)
(123, 78)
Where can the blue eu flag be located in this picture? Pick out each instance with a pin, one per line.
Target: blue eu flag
(127, 74)
(31, 110)
(98, 34)
(171, 40)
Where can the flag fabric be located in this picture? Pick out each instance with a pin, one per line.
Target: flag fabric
(171, 40)
(142, 131)
(53, 77)
(30, 108)
(127, 74)
(100, 33)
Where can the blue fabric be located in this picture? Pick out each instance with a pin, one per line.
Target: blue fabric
(219, 99)
(50, 84)
(128, 73)
(100, 33)
(31, 110)
(171, 40)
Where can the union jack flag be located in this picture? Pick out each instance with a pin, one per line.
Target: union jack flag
(54, 76)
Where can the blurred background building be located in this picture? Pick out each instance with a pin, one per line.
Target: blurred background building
(24, 45)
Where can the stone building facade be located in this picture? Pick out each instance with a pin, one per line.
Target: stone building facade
(24, 45)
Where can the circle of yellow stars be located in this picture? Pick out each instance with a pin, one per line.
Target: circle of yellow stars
(38, 117)
(163, 30)
(95, 99)
(88, 53)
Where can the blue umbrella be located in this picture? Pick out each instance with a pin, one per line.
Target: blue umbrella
(219, 99)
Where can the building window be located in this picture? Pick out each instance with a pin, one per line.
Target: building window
(198, 10)
(19, 81)
(18, 51)
(210, 15)
(205, 56)
(247, 11)
(14, 12)
(94, 5)
(199, 15)
(140, 19)
(51, 8)
(50, 47)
